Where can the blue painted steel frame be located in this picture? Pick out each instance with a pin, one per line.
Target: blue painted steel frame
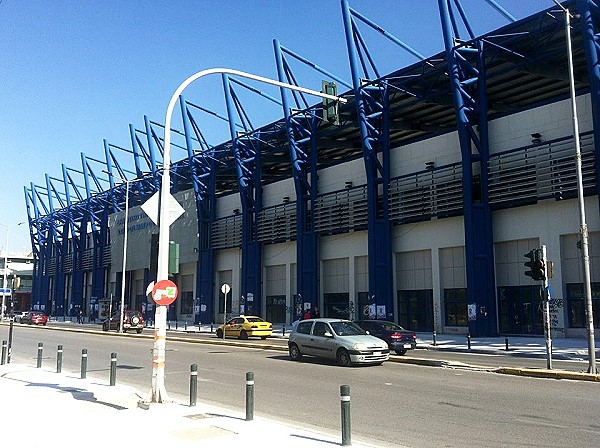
(589, 12)
(469, 92)
(301, 136)
(202, 168)
(373, 120)
(247, 155)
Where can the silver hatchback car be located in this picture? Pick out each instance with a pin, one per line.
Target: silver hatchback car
(337, 339)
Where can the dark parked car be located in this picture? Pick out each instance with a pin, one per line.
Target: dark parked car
(132, 320)
(34, 317)
(399, 340)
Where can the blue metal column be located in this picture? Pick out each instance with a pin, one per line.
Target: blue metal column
(39, 241)
(467, 78)
(301, 136)
(58, 249)
(589, 19)
(373, 121)
(246, 152)
(203, 173)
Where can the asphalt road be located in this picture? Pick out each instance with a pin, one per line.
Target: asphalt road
(393, 404)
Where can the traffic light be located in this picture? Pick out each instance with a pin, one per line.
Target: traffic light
(330, 107)
(536, 265)
(539, 269)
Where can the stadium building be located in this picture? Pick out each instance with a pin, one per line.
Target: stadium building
(416, 201)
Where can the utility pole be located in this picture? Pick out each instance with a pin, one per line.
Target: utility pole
(546, 299)
(587, 288)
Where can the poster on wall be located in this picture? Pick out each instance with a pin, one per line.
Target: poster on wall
(372, 311)
(472, 311)
(380, 311)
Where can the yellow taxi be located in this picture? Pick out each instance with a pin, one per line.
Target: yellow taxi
(243, 327)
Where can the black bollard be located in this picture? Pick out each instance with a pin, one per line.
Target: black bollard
(113, 368)
(39, 355)
(59, 355)
(249, 396)
(193, 384)
(211, 327)
(346, 426)
(4, 347)
(185, 325)
(10, 337)
(176, 324)
(283, 333)
(434, 340)
(506, 343)
(84, 360)
(469, 341)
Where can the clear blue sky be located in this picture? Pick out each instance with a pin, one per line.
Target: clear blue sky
(75, 72)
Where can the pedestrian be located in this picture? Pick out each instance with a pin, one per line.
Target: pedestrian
(80, 317)
(307, 314)
(316, 313)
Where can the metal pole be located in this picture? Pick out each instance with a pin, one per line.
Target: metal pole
(5, 276)
(124, 256)
(59, 356)
(546, 301)
(583, 225)
(39, 354)
(506, 343)
(193, 384)
(84, 361)
(345, 412)
(113, 368)
(434, 339)
(469, 341)
(4, 347)
(249, 396)
(224, 315)
(10, 338)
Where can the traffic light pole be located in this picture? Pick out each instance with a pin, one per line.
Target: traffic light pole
(546, 298)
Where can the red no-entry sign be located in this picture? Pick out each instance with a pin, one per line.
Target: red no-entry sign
(164, 292)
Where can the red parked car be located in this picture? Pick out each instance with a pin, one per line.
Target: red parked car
(34, 317)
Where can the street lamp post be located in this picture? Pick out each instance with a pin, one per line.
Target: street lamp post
(122, 312)
(159, 393)
(4, 281)
(583, 229)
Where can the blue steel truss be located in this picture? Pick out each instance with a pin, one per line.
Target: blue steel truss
(466, 68)
(589, 12)
(302, 124)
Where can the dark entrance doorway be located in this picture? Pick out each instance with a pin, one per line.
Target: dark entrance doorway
(415, 309)
(276, 309)
(521, 310)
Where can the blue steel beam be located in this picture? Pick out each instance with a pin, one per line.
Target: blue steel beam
(247, 155)
(301, 137)
(589, 13)
(466, 70)
(202, 170)
(373, 120)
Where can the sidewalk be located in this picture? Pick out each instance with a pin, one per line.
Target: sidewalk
(88, 412)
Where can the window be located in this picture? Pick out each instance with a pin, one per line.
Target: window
(304, 327)
(187, 302)
(576, 305)
(455, 309)
(320, 329)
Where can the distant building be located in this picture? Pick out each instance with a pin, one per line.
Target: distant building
(18, 281)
